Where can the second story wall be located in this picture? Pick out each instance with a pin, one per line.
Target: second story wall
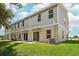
(63, 16)
(33, 21)
(44, 18)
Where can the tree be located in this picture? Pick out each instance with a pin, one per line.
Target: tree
(18, 5)
(75, 36)
(6, 14)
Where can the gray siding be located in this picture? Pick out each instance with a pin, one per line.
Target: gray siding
(32, 21)
(63, 27)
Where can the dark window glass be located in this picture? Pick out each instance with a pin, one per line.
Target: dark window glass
(39, 18)
(22, 23)
(48, 34)
(51, 13)
(48, 31)
(50, 16)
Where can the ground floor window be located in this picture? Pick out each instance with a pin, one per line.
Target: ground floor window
(36, 36)
(48, 32)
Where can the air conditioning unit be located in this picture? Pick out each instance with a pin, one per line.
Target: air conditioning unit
(52, 41)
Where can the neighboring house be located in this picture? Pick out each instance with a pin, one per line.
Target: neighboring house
(48, 22)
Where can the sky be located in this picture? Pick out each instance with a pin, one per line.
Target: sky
(28, 8)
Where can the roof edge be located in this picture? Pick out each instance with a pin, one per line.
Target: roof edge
(36, 12)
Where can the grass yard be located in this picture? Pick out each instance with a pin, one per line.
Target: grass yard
(11, 48)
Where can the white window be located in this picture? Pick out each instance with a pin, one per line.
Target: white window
(39, 17)
(50, 13)
(22, 23)
(48, 34)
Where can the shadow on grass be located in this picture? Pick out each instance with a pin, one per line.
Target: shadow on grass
(72, 41)
(4, 43)
(8, 50)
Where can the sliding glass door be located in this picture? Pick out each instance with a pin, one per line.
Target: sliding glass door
(25, 36)
(35, 36)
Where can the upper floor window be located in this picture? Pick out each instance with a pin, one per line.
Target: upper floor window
(22, 23)
(18, 24)
(39, 17)
(50, 13)
(48, 34)
(15, 26)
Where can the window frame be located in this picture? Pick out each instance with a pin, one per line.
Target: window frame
(51, 13)
(48, 34)
(23, 23)
(39, 17)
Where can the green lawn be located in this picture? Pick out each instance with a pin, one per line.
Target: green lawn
(67, 48)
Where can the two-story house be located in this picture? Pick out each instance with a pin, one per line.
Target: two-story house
(48, 22)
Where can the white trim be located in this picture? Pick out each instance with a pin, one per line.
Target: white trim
(58, 18)
(36, 12)
(62, 26)
(34, 28)
(57, 13)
